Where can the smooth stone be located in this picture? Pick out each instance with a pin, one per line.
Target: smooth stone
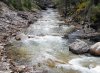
(95, 49)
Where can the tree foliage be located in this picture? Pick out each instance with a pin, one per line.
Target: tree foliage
(80, 9)
(24, 4)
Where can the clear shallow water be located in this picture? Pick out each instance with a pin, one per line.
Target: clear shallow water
(46, 48)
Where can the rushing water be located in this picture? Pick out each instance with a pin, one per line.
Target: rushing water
(47, 49)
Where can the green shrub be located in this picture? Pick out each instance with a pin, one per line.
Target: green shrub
(82, 5)
(95, 13)
(22, 4)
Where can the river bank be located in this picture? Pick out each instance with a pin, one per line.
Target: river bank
(83, 33)
(12, 22)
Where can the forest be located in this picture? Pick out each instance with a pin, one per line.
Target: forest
(49, 36)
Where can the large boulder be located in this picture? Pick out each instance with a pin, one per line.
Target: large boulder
(79, 47)
(95, 49)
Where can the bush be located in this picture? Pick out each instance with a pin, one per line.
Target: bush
(83, 5)
(95, 13)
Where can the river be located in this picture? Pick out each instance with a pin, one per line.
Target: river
(48, 50)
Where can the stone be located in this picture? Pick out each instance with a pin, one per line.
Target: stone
(74, 35)
(1, 47)
(68, 20)
(31, 36)
(69, 30)
(20, 36)
(23, 15)
(1, 52)
(79, 47)
(4, 66)
(95, 49)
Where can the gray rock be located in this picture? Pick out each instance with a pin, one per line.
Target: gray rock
(20, 36)
(70, 29)
(4, 66)
(79, 47)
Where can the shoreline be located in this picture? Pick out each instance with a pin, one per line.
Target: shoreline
(11, 23)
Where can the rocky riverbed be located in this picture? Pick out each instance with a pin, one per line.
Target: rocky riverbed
(39, 47)
(43, 47)
(11, 23)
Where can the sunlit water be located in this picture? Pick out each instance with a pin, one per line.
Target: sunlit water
(47, 49)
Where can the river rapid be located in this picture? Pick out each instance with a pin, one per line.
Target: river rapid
(48, 50)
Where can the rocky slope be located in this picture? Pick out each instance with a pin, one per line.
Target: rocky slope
(12, 22)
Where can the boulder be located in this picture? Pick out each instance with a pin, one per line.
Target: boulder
(95, 49)
(69, 30)
(22, 15)
(74, 35)
(4, 66)
(79, 47)
(20, 36)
